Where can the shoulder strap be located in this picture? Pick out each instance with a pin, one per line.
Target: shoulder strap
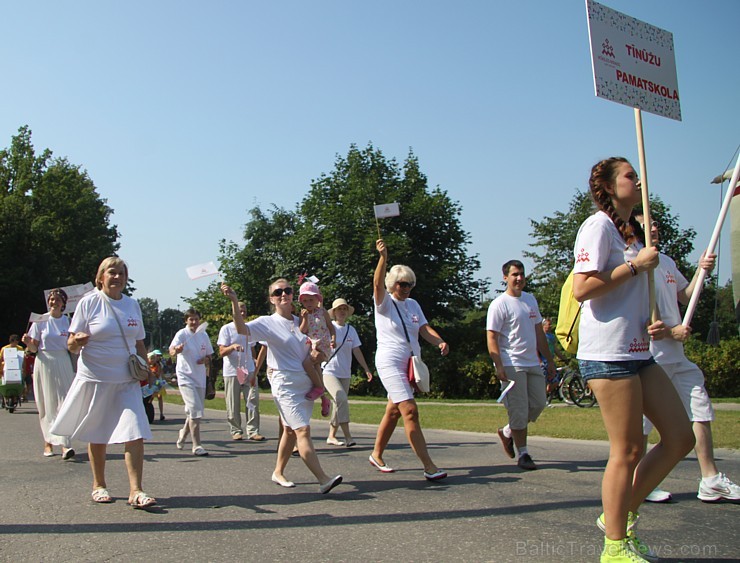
(346, 334)
(403, 324)
(115, 316)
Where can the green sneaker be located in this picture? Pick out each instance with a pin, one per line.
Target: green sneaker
(640, 547)
(618, 551)
(632, 519)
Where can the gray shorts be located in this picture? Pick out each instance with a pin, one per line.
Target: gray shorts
(526, 400)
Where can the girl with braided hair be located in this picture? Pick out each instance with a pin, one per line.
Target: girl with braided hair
(610, 279)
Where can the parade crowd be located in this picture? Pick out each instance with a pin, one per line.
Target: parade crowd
(635, 367)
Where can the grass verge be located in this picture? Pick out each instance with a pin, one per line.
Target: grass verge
(559, 422)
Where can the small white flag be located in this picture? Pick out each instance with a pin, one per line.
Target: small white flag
(202, 270)
(387, 210)
(38, 318)
(313, 279)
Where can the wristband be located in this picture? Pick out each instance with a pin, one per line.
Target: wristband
(632, 267)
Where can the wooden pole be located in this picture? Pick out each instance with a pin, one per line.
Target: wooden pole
(645, 209)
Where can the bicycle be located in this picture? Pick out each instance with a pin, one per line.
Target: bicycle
(559, 386)
(580, 393)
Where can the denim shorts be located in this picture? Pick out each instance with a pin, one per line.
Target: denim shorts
(593, 369)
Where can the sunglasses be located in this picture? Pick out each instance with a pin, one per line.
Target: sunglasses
(405, 285)
(278, 292)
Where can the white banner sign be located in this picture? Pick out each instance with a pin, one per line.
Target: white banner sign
(387, 210)
(74, 294)
(633, 62)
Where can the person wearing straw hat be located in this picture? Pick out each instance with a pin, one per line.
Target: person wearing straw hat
(193, 350)
(399, 321)
(337, 372)
(52, 371)
(670, 288)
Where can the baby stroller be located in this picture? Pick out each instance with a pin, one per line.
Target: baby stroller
(11, 385)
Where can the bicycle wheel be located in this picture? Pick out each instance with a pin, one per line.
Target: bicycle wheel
(581, 393)
(563, 388)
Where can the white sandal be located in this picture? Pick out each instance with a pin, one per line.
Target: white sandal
(200, 451)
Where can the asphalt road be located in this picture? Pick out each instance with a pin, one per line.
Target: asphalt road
(225, 508)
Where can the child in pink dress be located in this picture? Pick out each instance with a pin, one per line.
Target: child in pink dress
(317, 325)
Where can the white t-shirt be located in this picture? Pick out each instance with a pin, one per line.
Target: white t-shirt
(228, 336)
(614, 326)
(105, 356)
(340, 366)
(287, 346)
(668, 282)
(514, 318)
(197, 345)
(393, 347)
(52, 334)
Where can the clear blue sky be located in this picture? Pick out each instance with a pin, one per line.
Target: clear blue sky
(187, 114)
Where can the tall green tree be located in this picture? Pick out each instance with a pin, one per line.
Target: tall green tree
(331, 234)
(54, 228)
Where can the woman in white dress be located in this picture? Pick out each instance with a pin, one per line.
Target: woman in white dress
(104, 404)
(395, 309)
(287, 348)
(52, 371)
(337, 372)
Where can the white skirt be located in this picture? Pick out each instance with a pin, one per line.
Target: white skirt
(52, 378)
(396, 382)
(193, 398)
(289, 390)
(103, 413)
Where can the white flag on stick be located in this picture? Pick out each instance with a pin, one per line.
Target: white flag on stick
(387, 210)
(38, 318)
(202, 270)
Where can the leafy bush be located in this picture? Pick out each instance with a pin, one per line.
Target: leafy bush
(720, 364)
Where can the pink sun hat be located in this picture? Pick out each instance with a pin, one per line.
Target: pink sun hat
(310, 288)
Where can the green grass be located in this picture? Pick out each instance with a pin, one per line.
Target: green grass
(471, 416)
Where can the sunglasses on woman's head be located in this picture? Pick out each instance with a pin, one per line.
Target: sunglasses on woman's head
(278, 292)
(405, 285)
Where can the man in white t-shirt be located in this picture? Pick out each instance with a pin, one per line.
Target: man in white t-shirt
(237, 353)
(670, 288)
(515, 336)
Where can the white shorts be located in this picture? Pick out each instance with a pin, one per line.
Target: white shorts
(396, 382)
(289, 390)
(688, 380)
(193, 397)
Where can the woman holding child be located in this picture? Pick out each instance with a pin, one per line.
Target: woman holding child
(287, 349)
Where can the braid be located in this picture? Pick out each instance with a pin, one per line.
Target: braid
(603, 175)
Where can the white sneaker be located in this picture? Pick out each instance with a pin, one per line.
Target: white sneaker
(658, 495)
(722, 489)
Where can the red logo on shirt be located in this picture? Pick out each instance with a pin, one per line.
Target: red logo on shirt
(133, 322)
(639, 346)
(532, 314)
(670, 278)
(582, 256)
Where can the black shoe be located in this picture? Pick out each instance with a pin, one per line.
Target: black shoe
(525, 462)
(506, 443)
